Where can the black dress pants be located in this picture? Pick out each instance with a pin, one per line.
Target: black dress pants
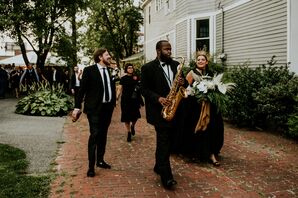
(162, 153)
(98, 123)
(76, 93)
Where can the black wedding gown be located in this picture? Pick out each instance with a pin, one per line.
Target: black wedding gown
(203, 143)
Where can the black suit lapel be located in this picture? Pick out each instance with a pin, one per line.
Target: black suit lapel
(97, 75)
(160, 74)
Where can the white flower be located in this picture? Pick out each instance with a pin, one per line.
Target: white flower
(190, 91)
(202, 87)
(210, 85)
(217, 79)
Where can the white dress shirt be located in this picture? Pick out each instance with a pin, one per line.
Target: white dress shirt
(100, 67)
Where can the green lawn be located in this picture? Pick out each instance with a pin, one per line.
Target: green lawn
(13, 179)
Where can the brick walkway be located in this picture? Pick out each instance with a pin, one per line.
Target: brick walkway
(253, 164)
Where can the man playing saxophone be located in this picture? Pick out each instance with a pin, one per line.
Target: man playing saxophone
(157, 78)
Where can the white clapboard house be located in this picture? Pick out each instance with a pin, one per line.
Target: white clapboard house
(238, 30)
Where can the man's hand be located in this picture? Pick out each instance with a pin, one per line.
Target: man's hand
(164, 102)
(76, 113)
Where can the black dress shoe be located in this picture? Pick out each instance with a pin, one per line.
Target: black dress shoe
(169, 183)
(103, 164)
(90, 173)
(156, 170)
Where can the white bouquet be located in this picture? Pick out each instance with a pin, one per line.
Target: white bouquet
(212, 89)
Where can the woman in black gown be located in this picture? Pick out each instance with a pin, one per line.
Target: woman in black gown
(131, 100)
(205, 145)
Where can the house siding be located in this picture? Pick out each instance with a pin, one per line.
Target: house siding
(225, 3)
(200, 6)
(161, 26)
(181, 39)
(254, 32)
(192, 7)
(218, 33)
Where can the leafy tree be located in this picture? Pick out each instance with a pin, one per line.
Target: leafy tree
(66, 44)
(113, 24)
(37, 22)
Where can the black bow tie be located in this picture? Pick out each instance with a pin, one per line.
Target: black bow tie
(163, 64)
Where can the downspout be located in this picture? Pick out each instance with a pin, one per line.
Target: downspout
(222, 32)
(222, 56)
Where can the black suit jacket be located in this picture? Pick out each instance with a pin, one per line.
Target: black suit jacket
(60, 77)
(153, 86)
(73, 81)
(92, 90)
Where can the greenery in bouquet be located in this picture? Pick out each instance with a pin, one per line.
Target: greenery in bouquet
(212, 89)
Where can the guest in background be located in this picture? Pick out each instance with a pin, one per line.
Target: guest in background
(15, 77)
(3, 82)
(131, 100)
(29, 76)
(58, 76)
(75, 82)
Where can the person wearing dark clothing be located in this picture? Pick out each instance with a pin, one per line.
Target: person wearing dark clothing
(206, 143)
(131, 100)
(97, 89)
(58, 76)
(3, 82)
(156, 80)
(15, 77)
(29, 76)
(75, 82)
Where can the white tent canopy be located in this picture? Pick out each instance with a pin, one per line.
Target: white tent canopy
(32, 57)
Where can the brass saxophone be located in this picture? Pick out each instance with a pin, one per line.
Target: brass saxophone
(175, 95)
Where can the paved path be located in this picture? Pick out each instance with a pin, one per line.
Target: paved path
(253, 164)
(38, 136)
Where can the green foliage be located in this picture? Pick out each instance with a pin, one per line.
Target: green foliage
(13, 183)
(45, 100)
(41, 21)
(216, 98)
(64, 48)
(264, 96)
(293, 122)
(113, 24)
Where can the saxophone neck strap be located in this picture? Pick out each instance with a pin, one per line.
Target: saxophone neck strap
(167, 75)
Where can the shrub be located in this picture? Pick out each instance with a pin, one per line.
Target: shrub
(264, 96)
(293, 122)
(45, 100)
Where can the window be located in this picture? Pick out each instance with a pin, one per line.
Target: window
(202, 35)
(158, 4)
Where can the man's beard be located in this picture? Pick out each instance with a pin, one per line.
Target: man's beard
(106, 62)
(165, 59)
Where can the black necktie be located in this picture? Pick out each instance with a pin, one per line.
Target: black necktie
(107, 97)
